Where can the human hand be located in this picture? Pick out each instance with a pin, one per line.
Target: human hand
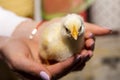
(22, 55)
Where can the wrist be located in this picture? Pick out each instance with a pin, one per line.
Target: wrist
(7, 26)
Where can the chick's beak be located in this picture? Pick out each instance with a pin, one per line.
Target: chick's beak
(74, 33)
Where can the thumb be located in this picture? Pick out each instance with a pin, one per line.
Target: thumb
(33, 68)
(97, 30)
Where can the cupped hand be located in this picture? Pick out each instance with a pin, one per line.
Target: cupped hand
(21, 54)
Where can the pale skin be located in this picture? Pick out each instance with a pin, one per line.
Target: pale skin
(21, 53)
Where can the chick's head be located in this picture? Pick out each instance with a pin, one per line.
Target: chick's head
(73, 26)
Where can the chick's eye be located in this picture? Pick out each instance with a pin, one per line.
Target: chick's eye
(67, 30)
(80, 29)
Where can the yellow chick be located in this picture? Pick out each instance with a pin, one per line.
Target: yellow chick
(61, 40)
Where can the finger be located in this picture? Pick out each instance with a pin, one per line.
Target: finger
(85, 56)
(97, 30)
(80, 58)
(89, 44)
(82, 54)
(79, 66)
(33, 68)
(62, 68)
(85, 53)
(89, 35)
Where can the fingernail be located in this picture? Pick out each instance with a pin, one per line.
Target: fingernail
(91, 35)
(91, 46)
(44, 75)
(90, 54)
(109, 29)
(78, 58)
